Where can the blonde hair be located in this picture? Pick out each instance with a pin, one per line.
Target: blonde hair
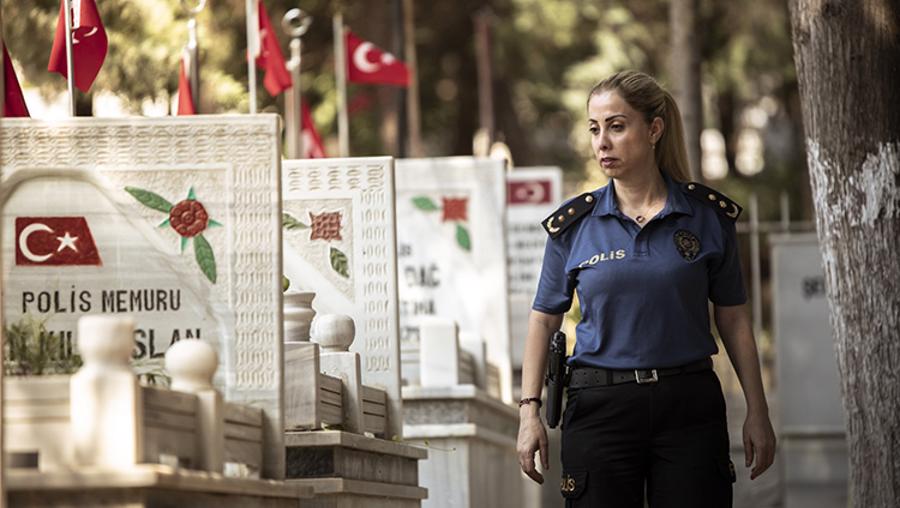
(645, 95)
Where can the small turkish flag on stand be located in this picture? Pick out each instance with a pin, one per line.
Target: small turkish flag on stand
(270, 57)
(312, 143)
(367, 63)
(14, 104)
(55, 241)
(185, 98)
(89, 43)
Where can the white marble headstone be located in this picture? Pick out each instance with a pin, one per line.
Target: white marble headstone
(339, 241)
(174, 221)
(532, 193)
(451, 243)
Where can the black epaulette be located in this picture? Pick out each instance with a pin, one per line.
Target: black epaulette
(568, 214)
(722, 203)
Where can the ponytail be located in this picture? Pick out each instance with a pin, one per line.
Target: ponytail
(671, 154)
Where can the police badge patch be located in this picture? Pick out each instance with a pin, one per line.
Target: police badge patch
(687, 243)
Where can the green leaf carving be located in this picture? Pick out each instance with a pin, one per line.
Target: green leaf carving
(214, 224)
(291, 223)
(184, 242)
(425, 204)
(164, 223)
(462, 237)
(339, 262)
(191, 194)
(150, 199)
(205, 258)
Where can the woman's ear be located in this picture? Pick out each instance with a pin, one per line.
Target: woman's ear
(657, 126)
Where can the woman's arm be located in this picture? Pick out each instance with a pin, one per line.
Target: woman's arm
(733, 323)
(532, 434)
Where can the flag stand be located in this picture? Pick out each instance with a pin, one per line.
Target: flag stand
(340, 73)
(193, 51)
(252, 49)
(70, 76)
(296, 23)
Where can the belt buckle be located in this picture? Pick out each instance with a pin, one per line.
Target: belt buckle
(654, 377)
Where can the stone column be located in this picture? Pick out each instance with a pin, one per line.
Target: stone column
(192, 364)
(335, 333)
(106, 411)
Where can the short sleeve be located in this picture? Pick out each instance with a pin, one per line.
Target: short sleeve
(554, 292)
(726, 282)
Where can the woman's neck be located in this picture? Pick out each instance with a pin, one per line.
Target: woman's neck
(640, 191)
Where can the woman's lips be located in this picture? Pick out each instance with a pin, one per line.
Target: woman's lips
(608, 161)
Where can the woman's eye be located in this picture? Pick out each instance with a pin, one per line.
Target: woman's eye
(594, 129)
(617, 127)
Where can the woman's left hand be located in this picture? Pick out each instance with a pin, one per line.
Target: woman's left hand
(759, 442)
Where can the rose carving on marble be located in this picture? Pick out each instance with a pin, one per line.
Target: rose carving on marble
(454, 210)
(189, 219)
(325, 226)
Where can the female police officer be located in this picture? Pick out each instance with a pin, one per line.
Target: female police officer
(644, 412)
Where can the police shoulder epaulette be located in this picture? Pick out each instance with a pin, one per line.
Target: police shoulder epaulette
(568, 214)
(722, 203)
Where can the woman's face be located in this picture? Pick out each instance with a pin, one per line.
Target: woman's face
(621, 138)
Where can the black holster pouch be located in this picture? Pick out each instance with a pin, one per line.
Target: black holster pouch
(556, 378)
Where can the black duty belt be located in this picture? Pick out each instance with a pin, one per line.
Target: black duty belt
(586, 377)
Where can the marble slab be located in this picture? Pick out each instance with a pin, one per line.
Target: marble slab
(175, 221)
(532, 193)
(339, 241)
(452, 251)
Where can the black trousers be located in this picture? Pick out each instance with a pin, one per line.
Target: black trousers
(669, 437)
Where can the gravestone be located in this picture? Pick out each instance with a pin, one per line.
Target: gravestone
(339, 242)
(452, 253)
(812, 437)
(174, 221)
(531, 195)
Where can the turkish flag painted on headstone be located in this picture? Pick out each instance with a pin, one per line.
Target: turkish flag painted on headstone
(312, 143)
(14, 105)
(89, 43)
(55, 241)
(367, 63)
(185, 98)
(535, 192)
(277, 78)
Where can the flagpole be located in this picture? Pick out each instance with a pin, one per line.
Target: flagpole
(252, 49)
(70, 76)
(412, 95)
(193, 49)
(296, 23)
(340, 73)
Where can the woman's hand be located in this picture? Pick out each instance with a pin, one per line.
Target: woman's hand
(759, 442)
(532, 438)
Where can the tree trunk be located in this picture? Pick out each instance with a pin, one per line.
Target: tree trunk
(848, 63)
(685, 71)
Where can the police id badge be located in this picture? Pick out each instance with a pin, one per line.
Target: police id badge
(687, 243)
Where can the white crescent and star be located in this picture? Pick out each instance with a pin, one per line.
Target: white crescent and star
(531, 192)
(67, 241)
(361, 60)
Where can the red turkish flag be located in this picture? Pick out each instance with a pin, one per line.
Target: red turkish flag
(312, 143)
(270, 57)
(535, 192)
(55, 241)
(14, 105)
(89, 43)
(185, 99)
(367, 63)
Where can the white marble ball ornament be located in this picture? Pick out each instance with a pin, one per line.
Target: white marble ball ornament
(106, 340)
(334, 332)
(192, 364)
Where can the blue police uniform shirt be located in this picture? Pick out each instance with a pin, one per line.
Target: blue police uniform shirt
(643, 291)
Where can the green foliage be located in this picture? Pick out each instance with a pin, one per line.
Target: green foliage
(339, 262)
(425, 204)
(150, 199)
(205, 257)
(31, 350)
(290, 223)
